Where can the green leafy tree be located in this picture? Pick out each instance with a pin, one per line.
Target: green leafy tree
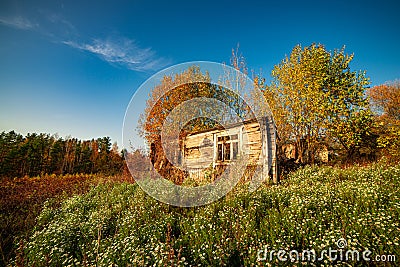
(316, 98)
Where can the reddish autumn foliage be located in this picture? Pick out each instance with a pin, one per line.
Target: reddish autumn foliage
(22, 199)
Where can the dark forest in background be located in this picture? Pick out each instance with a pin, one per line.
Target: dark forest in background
(38, 154)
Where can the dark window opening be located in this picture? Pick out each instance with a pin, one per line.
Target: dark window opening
(227, 154)
(228, 147)
(220, 152)
(235, 150)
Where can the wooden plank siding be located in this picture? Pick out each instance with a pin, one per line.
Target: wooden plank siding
(219, 147)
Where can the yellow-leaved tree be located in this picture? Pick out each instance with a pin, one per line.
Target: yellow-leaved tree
(316, 99)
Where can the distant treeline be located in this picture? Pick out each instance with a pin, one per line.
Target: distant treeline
(37, 154)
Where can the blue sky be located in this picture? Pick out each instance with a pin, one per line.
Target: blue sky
(71, 67)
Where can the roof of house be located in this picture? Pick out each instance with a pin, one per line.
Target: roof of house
(220, 127)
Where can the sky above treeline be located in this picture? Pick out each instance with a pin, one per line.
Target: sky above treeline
(71, 67)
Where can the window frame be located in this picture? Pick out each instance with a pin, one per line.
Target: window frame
(227, 142)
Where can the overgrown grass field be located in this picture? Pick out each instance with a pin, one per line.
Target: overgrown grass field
(22, 199)
(119, 225)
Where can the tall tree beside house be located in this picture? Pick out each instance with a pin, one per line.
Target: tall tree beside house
(175, 90)
(164, 98)
(349, 119)
(236, 81)
(280, 114)
(315, 98)
(185, 86)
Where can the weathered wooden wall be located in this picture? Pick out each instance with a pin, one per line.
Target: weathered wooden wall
(200, 149)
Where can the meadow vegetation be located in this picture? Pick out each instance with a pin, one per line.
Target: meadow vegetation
(117, 224)
(22, 199)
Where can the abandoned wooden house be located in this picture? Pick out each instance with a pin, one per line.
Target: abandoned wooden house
(219, 147)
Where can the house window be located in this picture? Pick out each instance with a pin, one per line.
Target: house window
(220, 152)
(235, 148)
(228, 147)
(227, 150)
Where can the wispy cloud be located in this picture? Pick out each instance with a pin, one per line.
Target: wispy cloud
(116, 51)
(18, 22)
(123, 52)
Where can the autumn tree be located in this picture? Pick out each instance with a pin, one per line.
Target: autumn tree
(185, 86)
(164, 97)
(385, 102)
(316, 98)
